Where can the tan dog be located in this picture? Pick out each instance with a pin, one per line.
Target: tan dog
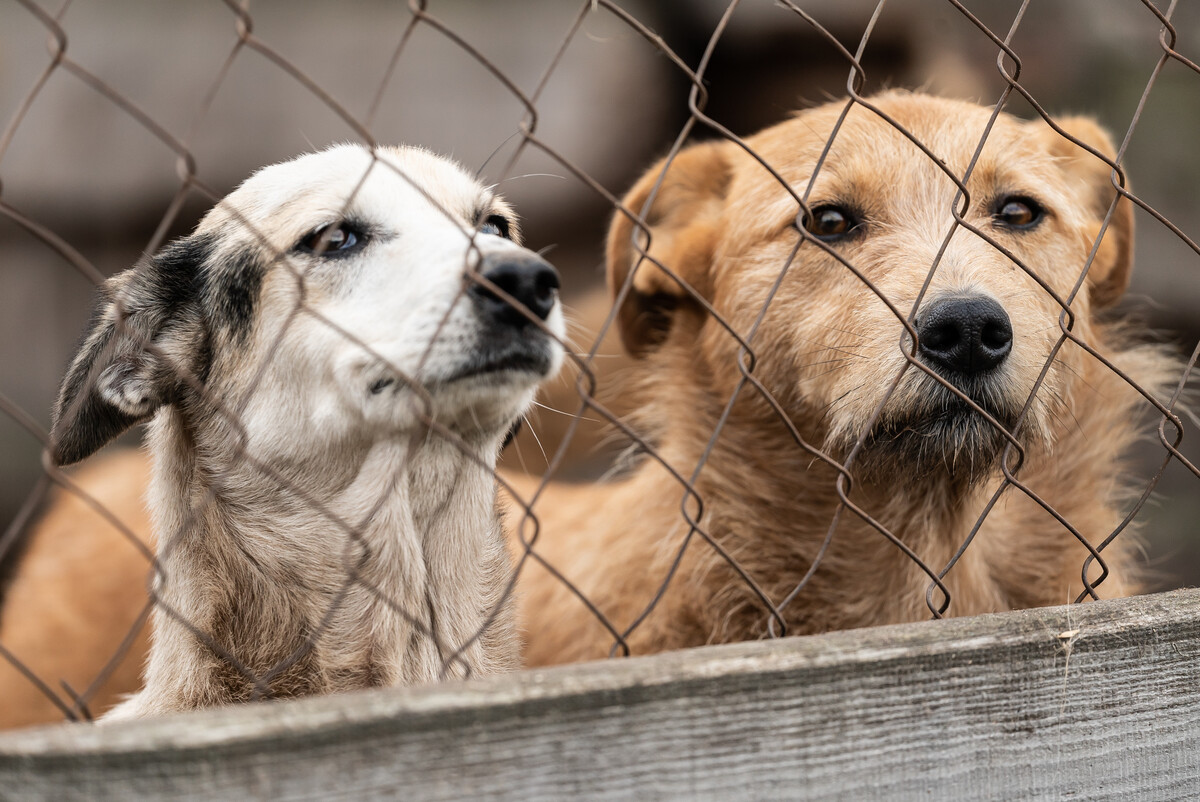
(923, 463)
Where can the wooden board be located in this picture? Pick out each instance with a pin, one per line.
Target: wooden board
(969, 709)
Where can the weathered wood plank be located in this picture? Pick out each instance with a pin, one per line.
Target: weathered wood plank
(968, 709)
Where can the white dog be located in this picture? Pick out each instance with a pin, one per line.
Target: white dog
(330, 364)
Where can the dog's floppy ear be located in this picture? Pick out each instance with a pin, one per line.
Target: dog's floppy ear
(1109, 274)
(683, 225)
(121, 374)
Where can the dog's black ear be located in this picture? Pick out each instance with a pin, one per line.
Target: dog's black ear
(683, 221)
(140, 341)
(1108, 276)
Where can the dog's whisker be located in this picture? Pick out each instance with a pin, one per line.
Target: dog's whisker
(532, 175)
(565, 413)
(838, 350)
(577, 328)
(856, 334)
(1074, 371)
(823, 349)
(828, 408)
(1060, 406)
(821, 345)
(493, 154)
(827, 372)
(516, 447)
(838, 361)
(538, 440)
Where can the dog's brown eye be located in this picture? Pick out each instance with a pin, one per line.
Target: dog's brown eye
(1019, 213)
(335, 239)
(830, 223)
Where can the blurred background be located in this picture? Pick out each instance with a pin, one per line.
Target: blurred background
(87, 169)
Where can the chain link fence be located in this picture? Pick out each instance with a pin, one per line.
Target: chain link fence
(137, 118)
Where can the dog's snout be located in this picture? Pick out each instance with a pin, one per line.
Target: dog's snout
(965, 335)
(528, 279)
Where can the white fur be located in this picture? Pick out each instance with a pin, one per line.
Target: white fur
(316, 493)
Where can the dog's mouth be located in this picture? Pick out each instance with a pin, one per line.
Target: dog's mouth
(506, 358)
(942, 435)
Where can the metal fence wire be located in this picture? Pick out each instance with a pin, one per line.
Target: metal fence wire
(779, 591)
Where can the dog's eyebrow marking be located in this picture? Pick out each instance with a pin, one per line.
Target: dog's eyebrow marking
(177, 270)
(231, 291)
(177, 275)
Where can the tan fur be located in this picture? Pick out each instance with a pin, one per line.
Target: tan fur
(80, 590)
(827, 351)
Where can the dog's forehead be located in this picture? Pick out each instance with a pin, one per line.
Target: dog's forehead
(868, 144)
(285, 200)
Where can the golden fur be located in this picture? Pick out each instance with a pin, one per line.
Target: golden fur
(80, 589)
(827, 350)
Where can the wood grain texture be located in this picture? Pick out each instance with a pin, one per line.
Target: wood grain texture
(968, 709)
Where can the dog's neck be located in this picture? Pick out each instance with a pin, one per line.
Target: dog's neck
(375, 565)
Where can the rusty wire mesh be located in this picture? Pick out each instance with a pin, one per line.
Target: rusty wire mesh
(690, 70)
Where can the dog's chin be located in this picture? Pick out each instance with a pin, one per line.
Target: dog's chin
(950, 443)
(516, 364)
(493, 385)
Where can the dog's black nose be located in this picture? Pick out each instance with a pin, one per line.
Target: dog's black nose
(528, 278)
(965, 335)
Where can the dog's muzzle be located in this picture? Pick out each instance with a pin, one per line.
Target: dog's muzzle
(511, 341)
(966, 340)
